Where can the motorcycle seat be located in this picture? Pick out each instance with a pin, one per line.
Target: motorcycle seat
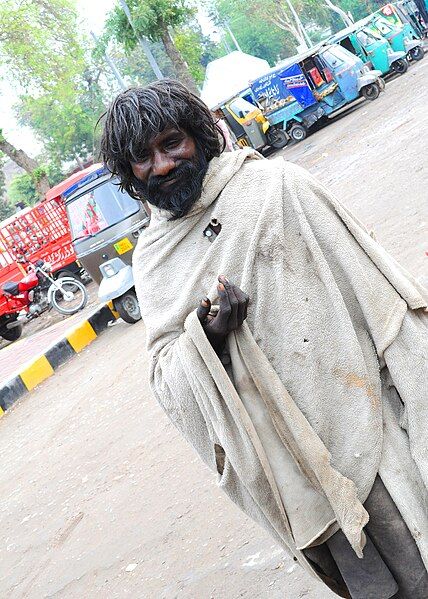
(11, 288)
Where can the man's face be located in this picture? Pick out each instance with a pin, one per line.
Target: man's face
(170, 171)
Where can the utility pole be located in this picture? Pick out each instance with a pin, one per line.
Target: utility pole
(230, 32)
(112, 66)
(142, 41)
(306, 39)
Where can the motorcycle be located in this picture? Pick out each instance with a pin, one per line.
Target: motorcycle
(37, 292)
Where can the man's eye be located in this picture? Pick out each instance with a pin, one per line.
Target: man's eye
(172, 143)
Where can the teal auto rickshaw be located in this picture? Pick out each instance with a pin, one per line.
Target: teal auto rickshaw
(406, 11)
(373, 49)
(401, 38)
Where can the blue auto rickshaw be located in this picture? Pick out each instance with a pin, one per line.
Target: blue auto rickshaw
(305, 88)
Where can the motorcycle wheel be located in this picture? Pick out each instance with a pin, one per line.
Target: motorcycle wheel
(417, 53)
(277, 138)
(371, 92)
(400, 66)
(128, 308)
(12, 334)
(70, 296)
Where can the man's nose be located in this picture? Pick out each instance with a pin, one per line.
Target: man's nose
(162, 164)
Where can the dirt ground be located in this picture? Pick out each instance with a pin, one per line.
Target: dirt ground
(100, 495)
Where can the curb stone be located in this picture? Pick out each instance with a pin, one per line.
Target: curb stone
(43, 366)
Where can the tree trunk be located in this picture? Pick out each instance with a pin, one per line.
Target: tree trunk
(180, 66)
(29, 165)
(345, 17)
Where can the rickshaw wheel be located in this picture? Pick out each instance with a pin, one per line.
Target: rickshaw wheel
(277, 138)
(127, 307)
(371, 92)
(400, 66)
(298, 132)
(417, 53)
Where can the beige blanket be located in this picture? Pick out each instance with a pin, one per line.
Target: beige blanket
(298, 415)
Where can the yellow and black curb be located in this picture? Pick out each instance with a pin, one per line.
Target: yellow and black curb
(44, 366)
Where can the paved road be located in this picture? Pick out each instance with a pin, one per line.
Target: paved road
(94, 479)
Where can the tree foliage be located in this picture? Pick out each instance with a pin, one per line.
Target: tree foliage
(6, 208)
(37, 42)
(254, 34)
(22, 190)
(154, 20)
(252, 20)
(60, 98)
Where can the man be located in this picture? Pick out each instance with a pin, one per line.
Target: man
(301, 375)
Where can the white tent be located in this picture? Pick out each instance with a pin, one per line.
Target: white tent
(229, 75)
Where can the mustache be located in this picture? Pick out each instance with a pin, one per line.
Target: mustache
(182, 172)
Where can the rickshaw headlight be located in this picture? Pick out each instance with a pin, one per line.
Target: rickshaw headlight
(108, 270)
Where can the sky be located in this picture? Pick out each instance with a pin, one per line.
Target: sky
(93, 14)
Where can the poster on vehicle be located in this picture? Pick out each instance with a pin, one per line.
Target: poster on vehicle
(294, 81)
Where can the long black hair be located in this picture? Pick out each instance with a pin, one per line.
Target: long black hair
(140, 113)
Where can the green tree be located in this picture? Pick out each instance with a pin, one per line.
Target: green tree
(61, 100)
(6, 208)
(65, 119)
(37, 49)
(154, 20)
(22, 190)
(252, 21)
(254, 33)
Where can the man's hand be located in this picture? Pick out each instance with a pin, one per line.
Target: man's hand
(231, 314)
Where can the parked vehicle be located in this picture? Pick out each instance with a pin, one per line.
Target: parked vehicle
(401, 38)
(40, 232)
(37, 292)
(407, 11)
(249, 125)
(374, 50)
(312, 85)
(105, 224)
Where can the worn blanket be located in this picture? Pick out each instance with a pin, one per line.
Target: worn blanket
(326, 383)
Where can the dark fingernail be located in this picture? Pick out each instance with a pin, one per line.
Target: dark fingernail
(220, 287)
(205, 302)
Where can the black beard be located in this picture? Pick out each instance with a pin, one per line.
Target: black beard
(184, 192)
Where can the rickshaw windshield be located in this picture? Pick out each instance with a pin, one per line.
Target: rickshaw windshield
(241, 107)
(98, 209)
(383, 26)
(366, 38)
(376, 35)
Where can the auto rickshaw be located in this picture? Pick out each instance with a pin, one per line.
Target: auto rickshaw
(402, 38)
(373, 49)
(309, 86)
(249, 124)
(406, 11)
(105, 224)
